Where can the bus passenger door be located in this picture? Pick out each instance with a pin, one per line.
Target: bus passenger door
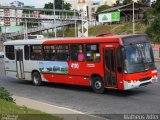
(110, 67)
(19, 64)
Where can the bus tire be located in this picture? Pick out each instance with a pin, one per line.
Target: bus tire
(36, 78)
(98, 85)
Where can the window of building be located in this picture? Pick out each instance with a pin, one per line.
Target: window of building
(62, 52)
(77, 53)
(49, 52)
(10, 52)
(93, 9)
(26, 52)
(92, 53)
(36, 52)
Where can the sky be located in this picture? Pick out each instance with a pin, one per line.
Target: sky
(36, 3)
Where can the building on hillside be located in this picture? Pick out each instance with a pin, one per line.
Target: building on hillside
(17, 4)
(8, 17)
(92, 5)
(126, 12)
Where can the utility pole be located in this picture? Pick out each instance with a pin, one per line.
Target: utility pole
(62, 16)
(83, 29)
(55, 31)
(75, 23)
(5, 37)
(133, 19)
(26, 29)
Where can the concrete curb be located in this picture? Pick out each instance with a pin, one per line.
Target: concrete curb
(62, 112)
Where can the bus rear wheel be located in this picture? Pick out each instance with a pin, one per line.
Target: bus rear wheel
(98, 85)
(36, 78)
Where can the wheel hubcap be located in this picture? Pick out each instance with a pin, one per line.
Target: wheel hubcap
(98, 84)
(35, 80)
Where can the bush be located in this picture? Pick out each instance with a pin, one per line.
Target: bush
(154, 30)
(5, 95)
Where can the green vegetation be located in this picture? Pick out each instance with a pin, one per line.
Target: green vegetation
(102, 7)
(125, 28)
(8, 109)
(68, 32)
(59, 4)
(23, 113)
(154, 15)
(5, 95)
(156, 6)
(154, 30)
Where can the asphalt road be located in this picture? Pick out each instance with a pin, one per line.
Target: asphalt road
(142, 100)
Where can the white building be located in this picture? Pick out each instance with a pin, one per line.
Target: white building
(10, 17)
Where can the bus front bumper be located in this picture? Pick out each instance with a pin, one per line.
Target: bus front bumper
(135, 84)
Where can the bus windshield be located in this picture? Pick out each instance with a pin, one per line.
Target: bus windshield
(138, 58)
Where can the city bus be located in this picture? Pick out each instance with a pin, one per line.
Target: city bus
(121, 62)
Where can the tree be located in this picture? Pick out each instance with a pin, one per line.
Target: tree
(127, 2)
(67, 6)
(156, 6)
(59, 4)
(122, 2)
(154, 30)
(142, 1)
(102, 7)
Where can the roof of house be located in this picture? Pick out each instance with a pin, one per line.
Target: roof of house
(127, 7)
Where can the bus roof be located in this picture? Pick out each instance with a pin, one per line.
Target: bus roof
(101, 39)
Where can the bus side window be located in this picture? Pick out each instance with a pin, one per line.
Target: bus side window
(26, 52)
(62, 52)
(49, 52)
(77, 53)
(36, 52)
(92, 53)
(9, 49)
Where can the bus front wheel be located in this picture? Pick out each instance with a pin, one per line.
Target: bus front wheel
(98, 85)
(36, 78)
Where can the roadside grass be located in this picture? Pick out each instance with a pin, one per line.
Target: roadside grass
(23, 113)
(124, 28)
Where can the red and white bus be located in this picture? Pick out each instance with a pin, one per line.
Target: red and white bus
(115, 61)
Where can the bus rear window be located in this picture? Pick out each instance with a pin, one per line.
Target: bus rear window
(10, 52)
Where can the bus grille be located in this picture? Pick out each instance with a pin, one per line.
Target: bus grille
(144, 84)
(145, 79)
